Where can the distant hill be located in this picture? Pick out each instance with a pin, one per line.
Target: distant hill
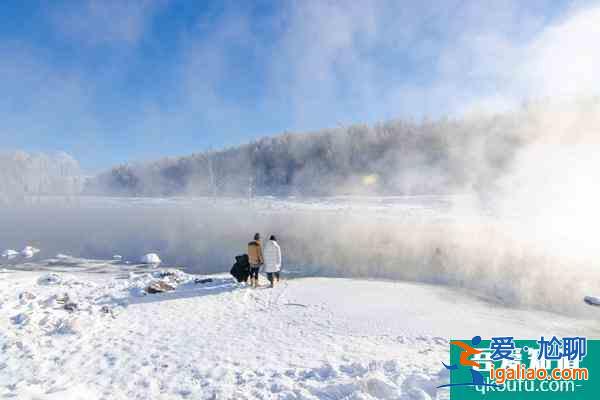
(395, 157)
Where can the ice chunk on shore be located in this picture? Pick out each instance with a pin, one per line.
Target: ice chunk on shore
(151, 258)
(29, 251)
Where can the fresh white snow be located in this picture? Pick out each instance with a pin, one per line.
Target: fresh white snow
(75, 328)
(85, 329)
(150, 258)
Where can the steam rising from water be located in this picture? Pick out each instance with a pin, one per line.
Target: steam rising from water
(421, 239)
(531, 241)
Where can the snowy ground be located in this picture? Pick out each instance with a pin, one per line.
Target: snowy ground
(309, 338)
(74, 328)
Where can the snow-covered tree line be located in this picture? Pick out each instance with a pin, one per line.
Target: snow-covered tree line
(23, 175)
(396, 157)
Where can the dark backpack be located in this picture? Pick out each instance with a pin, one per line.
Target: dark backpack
(241, 269)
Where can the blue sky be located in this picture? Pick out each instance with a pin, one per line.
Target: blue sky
(114, 81)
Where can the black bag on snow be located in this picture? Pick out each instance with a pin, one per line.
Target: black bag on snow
(241, 269)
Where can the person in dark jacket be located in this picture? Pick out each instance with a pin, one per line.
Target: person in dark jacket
(255, 257)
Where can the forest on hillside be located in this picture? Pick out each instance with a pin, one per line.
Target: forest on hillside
(396, 157)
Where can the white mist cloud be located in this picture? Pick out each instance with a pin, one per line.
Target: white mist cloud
(564, 60)
(372, 60)
(558, 61)
(552, 182)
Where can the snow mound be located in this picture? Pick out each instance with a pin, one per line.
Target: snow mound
(138, 284)
(50, 279)
(29, 251)
(151, 258)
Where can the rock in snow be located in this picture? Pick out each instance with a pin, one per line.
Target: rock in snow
(151, 258)
(592, 300)
(71, 306)
(159, 287)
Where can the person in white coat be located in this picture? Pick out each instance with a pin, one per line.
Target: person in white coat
(272, 259)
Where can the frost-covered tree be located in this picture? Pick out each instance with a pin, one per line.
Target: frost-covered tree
(394, 157)
(24, 175)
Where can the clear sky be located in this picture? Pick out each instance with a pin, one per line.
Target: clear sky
(115, 81)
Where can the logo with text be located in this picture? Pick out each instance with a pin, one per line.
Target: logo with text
(506, 368)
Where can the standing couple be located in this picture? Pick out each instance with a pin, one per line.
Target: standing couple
(270, 256)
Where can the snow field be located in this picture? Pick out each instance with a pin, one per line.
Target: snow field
(310, 338)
